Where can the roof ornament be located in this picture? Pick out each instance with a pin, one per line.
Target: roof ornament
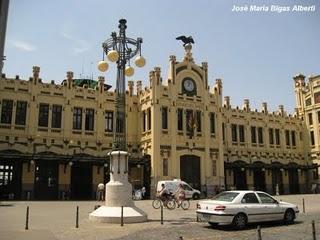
(186, 40)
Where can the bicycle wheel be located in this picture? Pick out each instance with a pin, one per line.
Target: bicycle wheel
(171, 204)
(185, 204)
(156, 203)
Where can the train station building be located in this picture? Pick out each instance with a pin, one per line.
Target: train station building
(55, 137)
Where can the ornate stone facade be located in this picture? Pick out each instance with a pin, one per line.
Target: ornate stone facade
(54, 139)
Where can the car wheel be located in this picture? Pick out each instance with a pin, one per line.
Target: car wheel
(195, 196)
(239, 221)
(289, 216)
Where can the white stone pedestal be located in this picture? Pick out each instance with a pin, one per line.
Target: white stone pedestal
(118, 193)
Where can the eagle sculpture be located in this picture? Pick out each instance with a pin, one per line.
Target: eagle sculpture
(185, 40)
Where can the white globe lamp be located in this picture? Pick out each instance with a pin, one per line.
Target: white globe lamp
(129, 71)
(113, 55)
(140, 61)
(103, 66)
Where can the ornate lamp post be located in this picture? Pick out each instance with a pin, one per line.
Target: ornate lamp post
(119, 48)
(119, 206)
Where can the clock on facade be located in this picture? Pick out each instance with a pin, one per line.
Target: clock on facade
(189, 86)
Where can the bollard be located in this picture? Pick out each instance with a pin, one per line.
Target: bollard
(121, 216)
(303, 206)
(259, 233)
(313, 231)
(161, 215)
(77, 217)
(27, 219)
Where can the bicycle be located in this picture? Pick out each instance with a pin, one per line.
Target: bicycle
(184, 203)
(168, 202)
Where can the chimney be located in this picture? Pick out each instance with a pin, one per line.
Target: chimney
(36, 71)
(246, 105)
(227, 101)
(69, 79)
(139, 87)
(281, 110)
(101, 83)
(264, 107)
(130, 86)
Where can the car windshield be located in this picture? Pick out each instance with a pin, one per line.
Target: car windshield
(225, 196)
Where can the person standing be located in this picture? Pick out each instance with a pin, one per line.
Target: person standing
(143, 191)
(100, 192)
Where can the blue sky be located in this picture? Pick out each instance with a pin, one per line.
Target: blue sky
(255, 54)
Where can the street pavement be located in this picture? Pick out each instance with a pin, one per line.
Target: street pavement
(49, 220)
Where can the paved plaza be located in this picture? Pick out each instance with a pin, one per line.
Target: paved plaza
(56, 220)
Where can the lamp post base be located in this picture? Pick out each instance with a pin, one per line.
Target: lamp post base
(106, 214)
(118, 195)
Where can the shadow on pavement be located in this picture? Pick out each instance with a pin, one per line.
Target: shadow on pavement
(252, 226)
(6, 205)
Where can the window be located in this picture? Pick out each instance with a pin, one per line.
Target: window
(271, 136)
(212, 123)
(189, 120)
(6, 112)
(241, 133)
(108, 121)
(312, 137)
(277, 132)
(56, 116)
(293, 138)
(287, 137)
(89, 124)
(180, 119)
(198, 116)
(266, 199)
(164, 113)
(21, 113)
(165, 167)
(318, 116)
(253, 135)
(223, 132)
(310, 119)
(260, 135)
(249, 198)
(77, 118)
(234, 132)
(144, 119)
(149, 118)
(225, 196)
(43, 115)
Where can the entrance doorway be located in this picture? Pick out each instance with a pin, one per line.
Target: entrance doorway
(46, 180)
(277, 179)
(259, 180)
(81, 181)
(240, 179)
(293, 180)
(190, 170)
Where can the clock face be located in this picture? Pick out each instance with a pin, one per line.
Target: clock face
(188, 85)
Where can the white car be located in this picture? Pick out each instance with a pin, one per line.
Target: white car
(241, 207)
